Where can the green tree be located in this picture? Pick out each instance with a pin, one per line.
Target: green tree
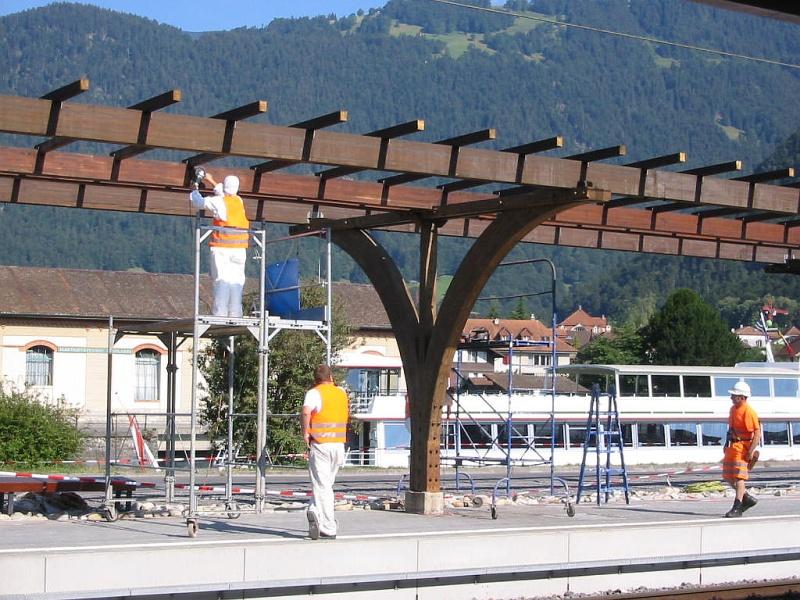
(34, 433)
(622, 348)
(520, 311)
(688, 331)
(293, 355)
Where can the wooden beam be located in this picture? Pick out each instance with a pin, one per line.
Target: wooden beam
(522, 150)
(459, 211)
(659, 161)
(784, 173)
(309, 125)
(460, 140)
(726, 167)
(231, 117)
(56, 97)
(147, 106)
(384, 135)
(68, 91)
(600, 154)
(29, 116)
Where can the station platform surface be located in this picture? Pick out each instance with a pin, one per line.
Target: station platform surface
(528, 551)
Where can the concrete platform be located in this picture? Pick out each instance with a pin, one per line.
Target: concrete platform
(529, 551)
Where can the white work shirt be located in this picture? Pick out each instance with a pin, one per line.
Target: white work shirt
(313, 400)
(215, 204)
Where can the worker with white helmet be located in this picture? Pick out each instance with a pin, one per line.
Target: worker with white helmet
(228, 245)
(744, 436)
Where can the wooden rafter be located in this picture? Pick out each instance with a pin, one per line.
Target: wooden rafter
(158, 187)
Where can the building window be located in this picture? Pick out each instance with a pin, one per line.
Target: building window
(39, 366)
(714, 434)
(148, 369)
(776, 434)
(651, 434)
(682, 434)
(373, 382)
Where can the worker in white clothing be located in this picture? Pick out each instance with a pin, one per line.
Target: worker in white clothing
(323, 422)
(228, 246)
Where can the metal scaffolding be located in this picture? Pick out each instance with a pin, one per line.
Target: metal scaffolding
(260, 324)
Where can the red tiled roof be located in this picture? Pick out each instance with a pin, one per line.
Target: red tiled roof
(581, 317)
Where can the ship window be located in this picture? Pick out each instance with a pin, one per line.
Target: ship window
(577, 435)
(666, 385)
(633, 385)
(476, 435)
(696, 386)
(714, 434)
(627, 435)
(723, 384)
(775, 434)
(542, 435)
(682, 434)
(759, 386)
(796, 433)
(651, 434)
(785, 388)
(519, 435)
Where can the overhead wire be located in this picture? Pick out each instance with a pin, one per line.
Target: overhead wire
(641, 38)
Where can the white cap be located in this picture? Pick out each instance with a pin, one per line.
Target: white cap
(740, 388)
(230, 185)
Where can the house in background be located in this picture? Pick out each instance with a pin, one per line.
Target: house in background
(54, 336)
(580, 328)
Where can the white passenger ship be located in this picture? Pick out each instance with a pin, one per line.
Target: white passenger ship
(668, 415)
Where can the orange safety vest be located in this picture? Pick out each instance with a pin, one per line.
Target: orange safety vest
(237, 219)
(743, 423)
(329, 425)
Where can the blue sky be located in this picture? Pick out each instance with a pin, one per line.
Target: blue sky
(207, 15)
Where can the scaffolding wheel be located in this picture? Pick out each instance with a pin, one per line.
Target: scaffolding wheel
(570, 509)
(233, 510)
(494, 512)
(110, 513)
(191, 527)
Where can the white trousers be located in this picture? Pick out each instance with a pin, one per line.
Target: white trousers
(324, 461)
(227, 269)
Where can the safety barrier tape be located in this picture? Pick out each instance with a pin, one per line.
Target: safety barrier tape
(115, 481)
(679, 472)
(200, 487)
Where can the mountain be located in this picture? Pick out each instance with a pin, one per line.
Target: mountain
(461, 69)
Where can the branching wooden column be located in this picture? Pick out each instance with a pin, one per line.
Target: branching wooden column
(427, 340)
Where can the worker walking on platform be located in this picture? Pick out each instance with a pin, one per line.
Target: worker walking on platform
(228, 246)
(323, 421)
(744, 437)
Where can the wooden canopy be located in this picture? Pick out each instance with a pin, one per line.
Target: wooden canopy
(575, 201)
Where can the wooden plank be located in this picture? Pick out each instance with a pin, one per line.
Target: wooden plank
(699, 248)
(777, 198)
(49, 193)
(24, 115)
(657, 244)
(725, 192)
(99, 123)
(612, 240)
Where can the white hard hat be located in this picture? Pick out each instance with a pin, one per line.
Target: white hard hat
(230, 185)
(740, 388)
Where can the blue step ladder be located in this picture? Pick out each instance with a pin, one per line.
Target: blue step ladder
(604, 435)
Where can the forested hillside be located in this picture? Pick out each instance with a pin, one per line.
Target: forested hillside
(460, 70)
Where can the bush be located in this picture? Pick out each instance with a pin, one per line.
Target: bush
(34, 433)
